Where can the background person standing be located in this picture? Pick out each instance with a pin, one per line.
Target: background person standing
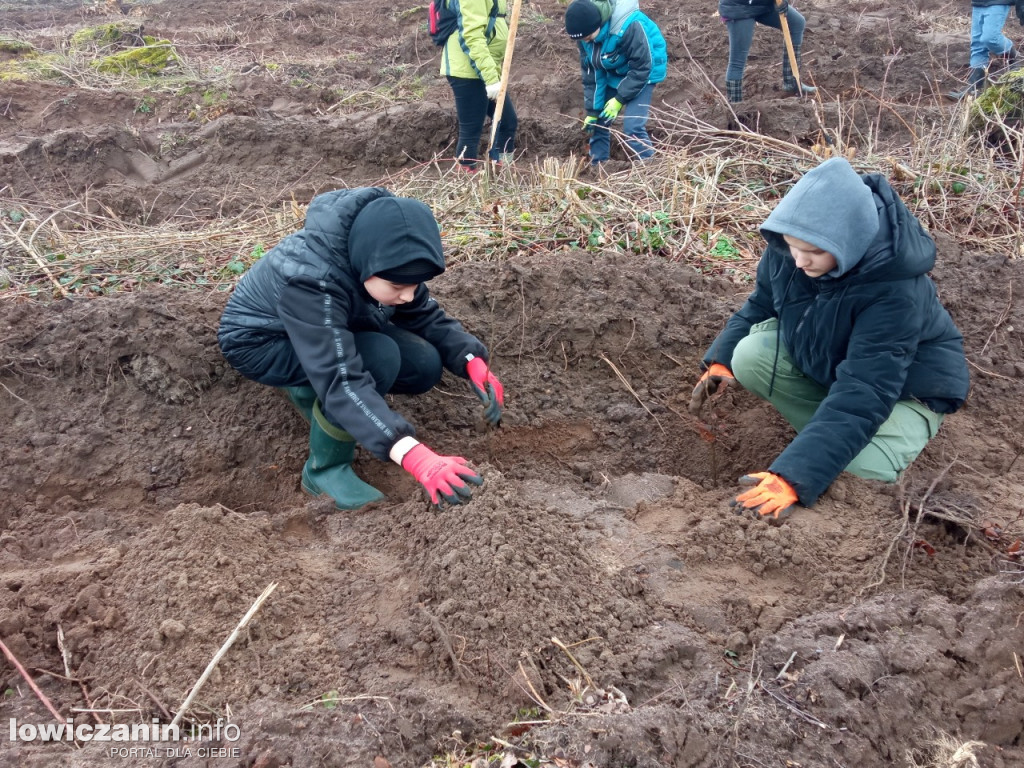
(471, 60)
(987, 40)
(740, 17)
(622, 57)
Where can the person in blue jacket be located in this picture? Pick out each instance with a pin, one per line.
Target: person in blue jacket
(844, 334)
(338, 315)
(740, 17)
(622, 57)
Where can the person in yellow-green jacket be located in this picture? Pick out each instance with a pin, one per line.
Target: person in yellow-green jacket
(471, 60)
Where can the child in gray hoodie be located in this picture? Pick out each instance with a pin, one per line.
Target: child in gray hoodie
(844, 334)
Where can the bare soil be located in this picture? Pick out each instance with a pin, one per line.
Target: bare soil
(150, 493)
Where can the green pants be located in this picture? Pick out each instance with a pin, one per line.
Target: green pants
(896, 444)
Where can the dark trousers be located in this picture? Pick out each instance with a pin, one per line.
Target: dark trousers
(741, 35)
(472, 107)
(399, 361)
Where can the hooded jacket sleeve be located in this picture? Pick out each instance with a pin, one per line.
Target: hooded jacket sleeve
(867, 386)
(635, 46)
(424, 317)
(474, 16)
(593, 80)
(758, 307)
(315, 316)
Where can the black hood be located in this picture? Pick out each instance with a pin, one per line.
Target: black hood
(395, 236)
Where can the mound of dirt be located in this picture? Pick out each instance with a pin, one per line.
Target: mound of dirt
(153, 495)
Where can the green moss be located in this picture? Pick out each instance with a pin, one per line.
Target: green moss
(1003, 101)
(32, 67)
(15, 47)
(120, 33)
(150, 59)
(212, 97)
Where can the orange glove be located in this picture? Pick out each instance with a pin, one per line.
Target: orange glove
(715, 377)
(772, 498)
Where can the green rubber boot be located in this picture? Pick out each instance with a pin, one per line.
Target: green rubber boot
(328, 469)
(302, 398)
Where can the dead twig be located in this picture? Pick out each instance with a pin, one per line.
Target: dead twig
(632, 391)
(220, 653)
(31, 683)
(575, 663)
(988, 373)
(332, 700)
(27, 247)
(533, 691)
(154, 699)
(445, 638)
(789, 704)
(1003, 317)
(907, 530)
(785, 667)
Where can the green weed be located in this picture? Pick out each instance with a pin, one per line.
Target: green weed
(725, 249)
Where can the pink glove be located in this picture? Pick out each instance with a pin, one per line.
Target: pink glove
(444, 476)
(487, 388)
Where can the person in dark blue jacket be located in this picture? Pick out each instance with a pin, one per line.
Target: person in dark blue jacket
(622, 57)
(338, 314)
(740, 17)
(844, 334)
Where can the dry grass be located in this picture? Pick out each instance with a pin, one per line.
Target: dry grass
(67, 251)
(701, 202)
(946, 751)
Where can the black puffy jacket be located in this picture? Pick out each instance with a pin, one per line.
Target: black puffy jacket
(989, 3)
(307, 293)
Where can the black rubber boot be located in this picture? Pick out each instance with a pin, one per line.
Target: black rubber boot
(329, 467)
(302, 398)
(734, 91)
(976, 81)
(789, 79)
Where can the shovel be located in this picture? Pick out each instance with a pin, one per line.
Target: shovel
(790, 51)
(499, 103)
